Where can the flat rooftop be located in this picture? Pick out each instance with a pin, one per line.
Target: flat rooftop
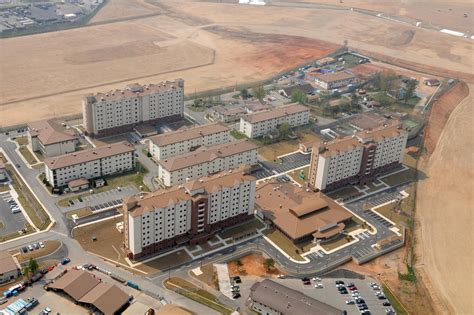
(274, 113)
(333, 76)
(296, 211)
(289, 301)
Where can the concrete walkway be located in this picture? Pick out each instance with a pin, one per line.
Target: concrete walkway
(224, 281)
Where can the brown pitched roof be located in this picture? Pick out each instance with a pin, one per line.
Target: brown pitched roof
(78, 182)
(256, 106)
(288, 301)
(7, 262)
(88, 155)
(275, 113)
(134, 90)
(358, 139)
(296, 211)
(188, 134)
(171, 309)
(228, 111)
(50, 132)
(106, 297)
(76, 283)
(207, 154)
(164, 197)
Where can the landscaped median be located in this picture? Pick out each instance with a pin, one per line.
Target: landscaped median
(28, 201)
(192, 292)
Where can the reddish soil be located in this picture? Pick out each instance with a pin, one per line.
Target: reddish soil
(440, 113)
(252, 266)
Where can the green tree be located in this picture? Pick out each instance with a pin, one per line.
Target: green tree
(268, 264)
(33, 266)
(258, 92)
(298, 96)
(239, 264)
(346, 107)
(26, 272)
(410, 90)
(354, 99)
(244, 93)
(387, 80)
(284, 129)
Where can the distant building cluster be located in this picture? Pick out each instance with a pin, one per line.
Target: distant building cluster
(41, 14)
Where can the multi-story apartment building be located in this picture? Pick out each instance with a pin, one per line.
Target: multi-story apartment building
(186, 140)
(206, 160)
(92, 163)
(189, 213)
(51, 138)
(262, 123)
(358, 158)
(119, 111)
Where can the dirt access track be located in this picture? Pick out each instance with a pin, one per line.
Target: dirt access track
(210, 45)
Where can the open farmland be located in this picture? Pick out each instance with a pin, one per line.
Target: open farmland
(445, 239)
(210, 45)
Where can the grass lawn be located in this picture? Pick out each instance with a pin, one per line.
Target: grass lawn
(164, 262)
(251, 226)
(27, 155)
(22, 140)
(296, 175)
(196, 108)
(83, 212)
(399, 178)
(270, 151)
(387, 211)
(4, 188)
(342, 240)
(285, 244)
(49, 248)
(191, 291)
(237, 134)
(344, 193)
(32, 207)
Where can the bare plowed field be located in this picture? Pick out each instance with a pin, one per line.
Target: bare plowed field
(445, 208)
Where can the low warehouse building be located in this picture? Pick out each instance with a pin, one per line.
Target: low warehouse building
(86, 289)
(9, 267)
(269, 297)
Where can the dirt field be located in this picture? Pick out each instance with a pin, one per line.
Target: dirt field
(210, 45)
(252, 265)
(444, 238)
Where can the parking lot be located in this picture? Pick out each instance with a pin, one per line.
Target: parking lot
(103, 200)
(375, 216)
(11, 222)
(288, 162)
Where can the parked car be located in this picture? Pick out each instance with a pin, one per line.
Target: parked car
(41, 244)
(24, 250)
(386, 304)
(235, 288)
(350, 302)
(339, 282)
(30, 248)
(237, 279)
(319, 286)
(317, 279)
(235, 295)
(36, 246)
(3, 300)
(381, 297)
(360, 301)
(44, 271)
(65, 261)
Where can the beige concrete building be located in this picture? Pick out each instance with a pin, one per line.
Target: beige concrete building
(299, 214)
(93, 163)
(332, 80)
(9, 267)
(206, 160)
(188, 139)
(119, 111)
(262, 123)
(228, 114)
(271, 298)
(189, 213)
(358, 158)
(51, 138)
